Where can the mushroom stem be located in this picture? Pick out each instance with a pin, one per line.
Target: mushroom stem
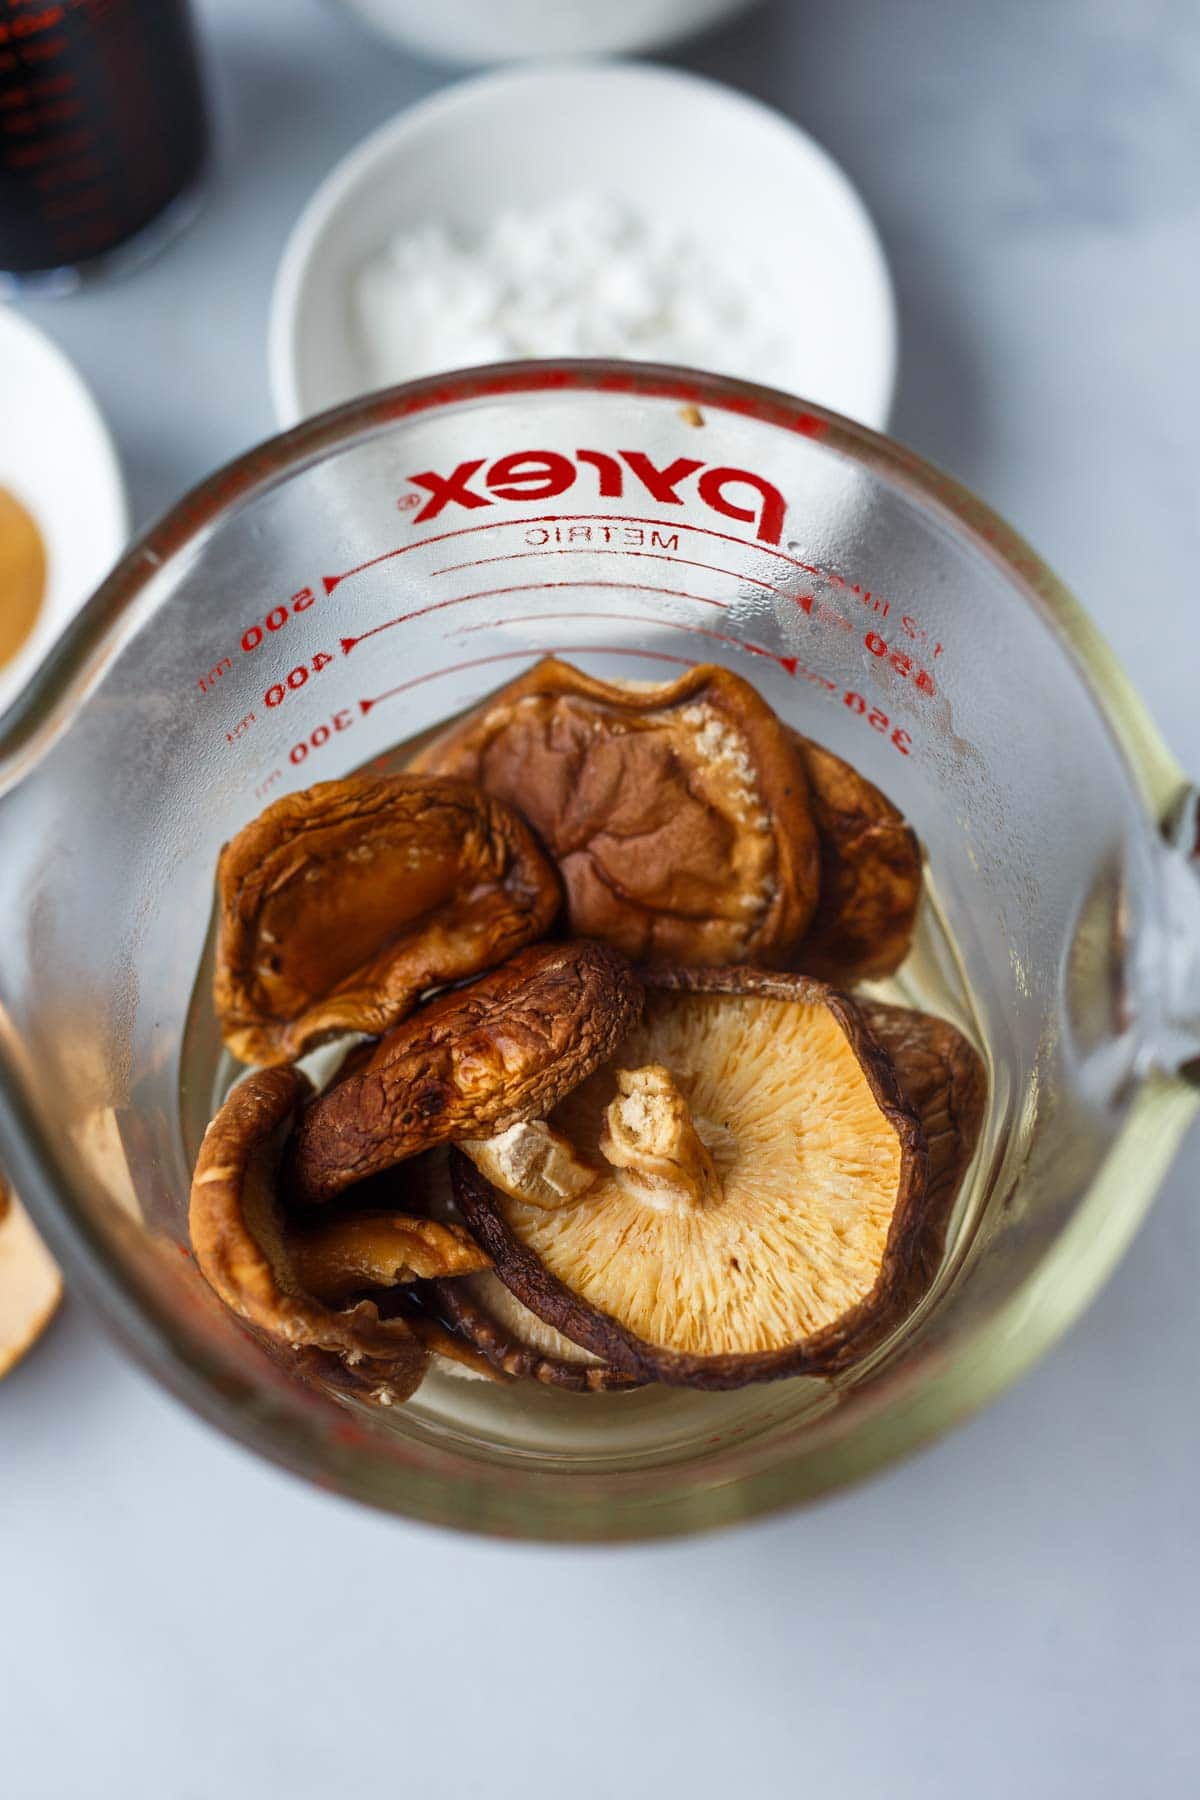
(531, 1162)
(650, 1138)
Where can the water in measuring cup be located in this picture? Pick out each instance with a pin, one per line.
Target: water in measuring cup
(654, 1424)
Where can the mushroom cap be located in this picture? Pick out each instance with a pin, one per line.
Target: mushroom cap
(30, 1284)
(484, 1314)
(942, 1077)
(514, 1340)
(678, 813)
(341, 905)
(803, 1250)
(870, 874)
(238, 1236)
(470, 1064)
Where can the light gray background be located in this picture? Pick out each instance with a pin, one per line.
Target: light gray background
(1016, 1609)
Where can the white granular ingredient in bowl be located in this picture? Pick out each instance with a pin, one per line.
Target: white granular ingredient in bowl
(586, 276)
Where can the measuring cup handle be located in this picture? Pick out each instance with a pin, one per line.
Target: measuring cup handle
(1183, 934)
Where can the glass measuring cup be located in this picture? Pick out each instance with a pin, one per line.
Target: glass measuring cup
(382, 567)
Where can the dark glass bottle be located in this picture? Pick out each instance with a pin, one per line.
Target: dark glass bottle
(103, 131)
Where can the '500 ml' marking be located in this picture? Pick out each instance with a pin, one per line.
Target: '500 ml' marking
(277, 618)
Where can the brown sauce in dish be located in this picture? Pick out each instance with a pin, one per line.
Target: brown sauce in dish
(22, 575)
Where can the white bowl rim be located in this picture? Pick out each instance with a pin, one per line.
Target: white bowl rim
(460, 96)
(111, 510)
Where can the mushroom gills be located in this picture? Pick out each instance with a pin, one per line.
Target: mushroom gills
(524, 1327)
(30, 1284)
(763, 1187)
(483, 1313)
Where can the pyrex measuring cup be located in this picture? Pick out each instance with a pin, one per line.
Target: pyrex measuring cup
(380, 568)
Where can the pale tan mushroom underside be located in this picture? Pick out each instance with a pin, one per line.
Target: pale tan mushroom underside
(30, 1284)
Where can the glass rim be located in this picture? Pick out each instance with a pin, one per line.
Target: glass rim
(572, 1508)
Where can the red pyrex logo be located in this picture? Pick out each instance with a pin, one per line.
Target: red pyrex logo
(545, 474)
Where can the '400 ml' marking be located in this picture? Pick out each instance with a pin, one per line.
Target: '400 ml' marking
(296, 678)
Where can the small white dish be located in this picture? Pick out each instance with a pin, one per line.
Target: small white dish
(731, 173)
(58, 460)
(474, 31)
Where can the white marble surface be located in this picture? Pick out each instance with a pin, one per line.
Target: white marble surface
(1015, 1609)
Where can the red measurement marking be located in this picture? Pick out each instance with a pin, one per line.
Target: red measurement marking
(685, 562)
(788, 664)
(17, 30)
(878, 720)
(440, 537)
(240, 729)
(528, 587)
(791, 665)
(206, 683)
(876, 601)
(259, 632)
(276, 619)
(345, 1432)
(320, 736)
(899, 661)
(483, 662)
(900, 739)
(296, 678)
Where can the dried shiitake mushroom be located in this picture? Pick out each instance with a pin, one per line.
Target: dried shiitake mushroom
(454, 1354)
(941, 1076)
(336, 1259)
(472, 1063)
(870, 874)
(762, 1205)
(261, 1268)
(30, 1284)
(677, 813)
(340, 906)
(514, 1340)
(483, 1312)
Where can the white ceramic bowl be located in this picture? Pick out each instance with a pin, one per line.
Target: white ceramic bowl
(731, 173)
(57, 458)
(500, 30)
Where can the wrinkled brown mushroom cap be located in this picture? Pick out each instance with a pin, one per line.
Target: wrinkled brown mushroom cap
(471, 1063)
(678, 813)
(341, 905)
(942, 1077)
(870, 874)
(238, 1237)
(30, 1284)
(794, 1247)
